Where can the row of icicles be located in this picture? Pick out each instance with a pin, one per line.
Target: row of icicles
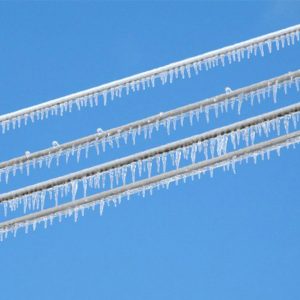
(166, 76)
(209, 148)
(171, 122)
(116, 199)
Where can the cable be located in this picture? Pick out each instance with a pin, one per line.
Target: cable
(259, 90)
(217, 138)
(166, 73)
(159, 181)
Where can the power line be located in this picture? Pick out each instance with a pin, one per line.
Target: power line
(248, 93)
(219, 136)
(161, 180)
(166, 73)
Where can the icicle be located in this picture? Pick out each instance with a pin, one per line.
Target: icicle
(67, 153)
(74, 187)
(246, 135)
(181, 119)
(240, 102)
(211, 171)
(297, 83)
(233, 166)
(133, 135)
(261, 48)
(124, 173)
(275, 87)
(101, 207)
(103, 143)
(56, 190)
(164, 162)
(140, 167)
(110, 141)
(206, 109)
(193, 153)
(172, 155)
(84, 184)
(152, 80)
(42, 199)
(78, 154)
(96, 145)
(150, 130)
(212, 147)
(285, 86)
(278, 150)
(294, 120)
(188, 70)
(111, 178)
(171, 75)
(133, 168)
(205, 148)
(286, 122)
(104, 95)
(177, 158)
(195, 67)
(27, 168)
(269, 44)
(168, 123)
(232, 136)
(7, 174)
(87, 146)
(149, 167)
(117, 175)
(182, 72)
(158, 163)
(252, 135)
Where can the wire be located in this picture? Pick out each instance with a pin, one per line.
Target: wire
(270, 86)
(159, 181)
(218, 136)
(139, 81)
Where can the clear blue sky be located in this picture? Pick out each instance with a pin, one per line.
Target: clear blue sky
(231, 237)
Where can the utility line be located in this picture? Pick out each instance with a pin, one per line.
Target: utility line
(270, 86)
(285, 113)
(142, 80)
(68, 209)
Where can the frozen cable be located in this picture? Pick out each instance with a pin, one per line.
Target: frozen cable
(211, 143)
(169, 119)
(167, 73)
(115, 196)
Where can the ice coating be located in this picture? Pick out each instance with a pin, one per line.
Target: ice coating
(199, 150)
(91, 99)
(116, 198)
(101, 141)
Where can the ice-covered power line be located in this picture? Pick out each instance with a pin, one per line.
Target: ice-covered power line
(169, 120)
(167, 73)
(211, 143)
(115, 196)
